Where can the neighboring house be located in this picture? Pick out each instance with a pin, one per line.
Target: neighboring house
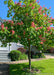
(52, 50)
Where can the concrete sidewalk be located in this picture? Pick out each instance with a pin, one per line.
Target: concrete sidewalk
(4, 69)
(23, 61)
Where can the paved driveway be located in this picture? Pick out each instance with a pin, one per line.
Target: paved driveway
(49, 55)
(4, 69)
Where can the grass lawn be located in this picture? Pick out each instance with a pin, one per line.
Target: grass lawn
(46, 67)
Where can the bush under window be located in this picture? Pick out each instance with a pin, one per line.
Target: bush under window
(15, 55)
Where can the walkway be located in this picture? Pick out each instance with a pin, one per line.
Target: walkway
(4, 69)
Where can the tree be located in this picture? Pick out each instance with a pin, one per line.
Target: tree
(30, 25)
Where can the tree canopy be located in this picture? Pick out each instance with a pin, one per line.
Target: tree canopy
(30, 23)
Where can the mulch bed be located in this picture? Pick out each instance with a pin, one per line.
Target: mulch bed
(33, 70)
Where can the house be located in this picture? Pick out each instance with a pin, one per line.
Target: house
(52, 50)
(4, 51)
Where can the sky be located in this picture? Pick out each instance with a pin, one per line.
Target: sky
(4, 8)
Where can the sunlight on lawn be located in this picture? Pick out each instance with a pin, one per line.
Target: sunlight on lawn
(46, 67)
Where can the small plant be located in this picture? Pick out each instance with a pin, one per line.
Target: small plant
(34, 56)
(42, 55)
(23, 57)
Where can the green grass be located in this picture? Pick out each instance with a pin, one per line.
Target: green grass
(46, 67)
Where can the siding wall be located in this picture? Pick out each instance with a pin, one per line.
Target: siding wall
(13, 46)
(4, 48)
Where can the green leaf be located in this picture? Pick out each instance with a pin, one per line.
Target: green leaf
(32, 12)
(5, 2)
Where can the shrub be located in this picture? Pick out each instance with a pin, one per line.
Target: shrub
(35, 56)
(42, 55)
(46, 51)
(22, 50)
(39, 55)
(23, 57)
(15, 55)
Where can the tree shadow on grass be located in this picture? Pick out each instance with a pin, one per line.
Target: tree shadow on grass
(17, 69)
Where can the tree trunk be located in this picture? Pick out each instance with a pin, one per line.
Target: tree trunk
(29, 58)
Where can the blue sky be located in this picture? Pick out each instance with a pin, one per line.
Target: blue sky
(4, 9)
